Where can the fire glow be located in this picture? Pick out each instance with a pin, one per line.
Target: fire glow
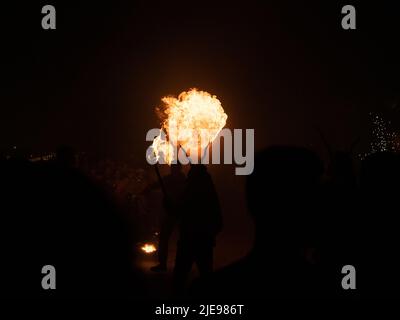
(191, 122)
(148, 248)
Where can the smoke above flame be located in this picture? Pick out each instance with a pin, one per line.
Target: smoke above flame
(191, 121)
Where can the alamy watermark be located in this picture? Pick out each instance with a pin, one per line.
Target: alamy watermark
(233, 150)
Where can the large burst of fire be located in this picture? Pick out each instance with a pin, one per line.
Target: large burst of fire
(191, 121)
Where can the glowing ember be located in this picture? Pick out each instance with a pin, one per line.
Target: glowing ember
(383, 138)
(192, 121)
(149, 248)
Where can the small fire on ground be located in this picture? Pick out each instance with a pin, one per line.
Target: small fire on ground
(149, 248)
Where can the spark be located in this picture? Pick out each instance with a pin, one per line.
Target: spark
(383, 139)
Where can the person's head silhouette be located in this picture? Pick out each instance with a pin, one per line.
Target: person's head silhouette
(278, 190)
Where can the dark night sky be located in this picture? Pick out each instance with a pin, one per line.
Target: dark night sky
(279, 68)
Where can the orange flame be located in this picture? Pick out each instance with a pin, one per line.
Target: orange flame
(149, 248)
(192, 121)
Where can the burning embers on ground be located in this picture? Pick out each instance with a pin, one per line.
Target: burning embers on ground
(148, 248)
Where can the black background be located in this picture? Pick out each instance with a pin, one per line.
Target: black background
(281, 68)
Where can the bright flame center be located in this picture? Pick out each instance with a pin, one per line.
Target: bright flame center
(192, 121)
(149, 248)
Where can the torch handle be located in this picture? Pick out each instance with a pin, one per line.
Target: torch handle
(180, 146)
(205, 152)
(160, 180)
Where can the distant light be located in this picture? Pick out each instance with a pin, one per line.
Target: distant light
(384, 139)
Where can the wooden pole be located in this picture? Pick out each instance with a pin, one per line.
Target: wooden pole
(160, 180)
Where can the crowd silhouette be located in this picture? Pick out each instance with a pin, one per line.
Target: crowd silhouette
(52, 214)
(310, 220)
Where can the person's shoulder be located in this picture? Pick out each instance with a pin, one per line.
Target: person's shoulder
(231, 281)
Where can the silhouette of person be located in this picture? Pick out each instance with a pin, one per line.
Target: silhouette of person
(174, 184)
(284, 262)
(200, 222)
(65, 156)
(68, 222)
(380, 183)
